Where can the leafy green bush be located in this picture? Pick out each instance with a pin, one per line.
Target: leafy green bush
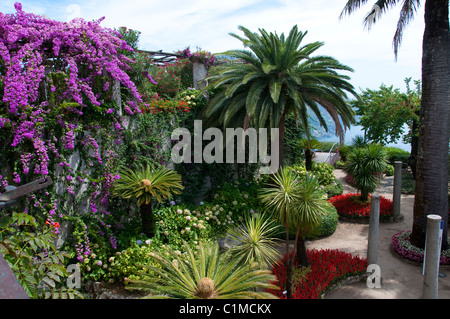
(328, 223)
(344, 150)
(28, 249)
(396, 154)
(334, 189)
(389, 171)
(323, 171)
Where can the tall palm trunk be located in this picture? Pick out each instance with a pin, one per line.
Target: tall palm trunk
(434, 123)
(148, 226)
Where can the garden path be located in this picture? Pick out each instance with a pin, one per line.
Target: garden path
(400, 279)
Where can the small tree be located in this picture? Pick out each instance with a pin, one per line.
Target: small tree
(297, 203)
(145, 184)
(366, 164)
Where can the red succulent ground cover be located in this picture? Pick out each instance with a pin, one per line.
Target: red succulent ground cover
(327, 268)
(349, 205)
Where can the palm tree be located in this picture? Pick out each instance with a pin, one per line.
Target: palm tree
(434, 121)
(278, 76)
(309, 144)
(255, 241)
(205, 273)
(146, 184)
(366, 164)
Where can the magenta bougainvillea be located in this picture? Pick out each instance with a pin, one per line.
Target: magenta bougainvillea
(58, 116)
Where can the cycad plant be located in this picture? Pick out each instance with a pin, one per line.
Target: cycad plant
(205, 273)
(145, 184)
(366, 164)
(255, 240)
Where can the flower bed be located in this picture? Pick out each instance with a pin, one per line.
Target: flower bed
(349, 206)
(403, 247)
(327, 267)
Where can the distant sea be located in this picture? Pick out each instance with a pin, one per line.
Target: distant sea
(323, 136)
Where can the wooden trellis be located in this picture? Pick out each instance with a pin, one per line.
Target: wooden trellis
(161, 58)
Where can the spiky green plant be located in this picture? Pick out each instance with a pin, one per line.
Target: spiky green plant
(145, 184)
(366, 164)
(255, 240)
(297, 203)
(203, 274)
(311, 204)
(280, 199)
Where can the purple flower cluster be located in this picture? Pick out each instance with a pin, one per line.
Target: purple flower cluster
(32, 50)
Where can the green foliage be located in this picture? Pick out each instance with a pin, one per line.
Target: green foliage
(324, 172)
(384, 112)
(38, 266)
(204, 273)
(328, 223)
(389, 171)
(145, 183)
(265, 87)
(344, 150)
(365, 165)
(334, 189)
(255, 241)
(177, 225)
(394, 154)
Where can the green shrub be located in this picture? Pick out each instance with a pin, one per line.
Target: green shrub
(328, 223)
(323, 171)
(389, 171)
(340, 164)
(334, 189)
(344, 150)
(396, 154)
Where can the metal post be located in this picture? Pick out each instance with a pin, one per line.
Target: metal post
(432, 257)
(397, 191)
(374, 220)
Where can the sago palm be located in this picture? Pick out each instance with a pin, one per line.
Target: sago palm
(203, 274)
(255, 241)
(434, 121)
(278, 76)
(145, 184)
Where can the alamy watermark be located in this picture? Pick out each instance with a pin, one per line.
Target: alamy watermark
(374, 279)
(222, 148)
(74, 279)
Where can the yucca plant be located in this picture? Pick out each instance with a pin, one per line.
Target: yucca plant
(145, 184)
(366, 164)
(311, 204)
(255, 241)
(280, 198)
(203, 274)
(297, 203)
